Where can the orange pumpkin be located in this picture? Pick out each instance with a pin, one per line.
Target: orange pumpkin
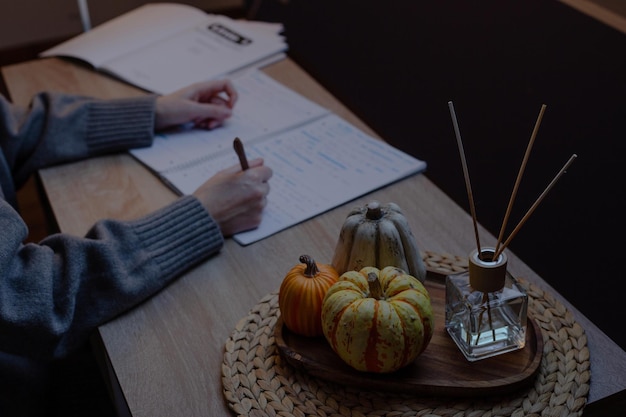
(301, 294)
(377, 320)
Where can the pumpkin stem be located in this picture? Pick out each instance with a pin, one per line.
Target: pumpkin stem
(376, 291)
(374, 211)
(311, 267)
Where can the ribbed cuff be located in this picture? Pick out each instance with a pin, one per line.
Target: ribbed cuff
(179, 236)
(120, 124)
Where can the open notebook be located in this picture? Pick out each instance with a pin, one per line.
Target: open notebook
(319, 160)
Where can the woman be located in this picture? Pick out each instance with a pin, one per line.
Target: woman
(55, 293)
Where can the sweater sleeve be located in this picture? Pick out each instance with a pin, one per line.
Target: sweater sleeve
(58, 128)
(53, 294)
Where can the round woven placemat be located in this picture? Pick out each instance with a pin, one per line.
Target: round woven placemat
(258, 382)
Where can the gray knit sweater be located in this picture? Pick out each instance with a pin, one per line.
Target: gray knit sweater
(55, 293)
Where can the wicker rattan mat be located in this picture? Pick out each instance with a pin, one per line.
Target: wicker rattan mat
(258, 382)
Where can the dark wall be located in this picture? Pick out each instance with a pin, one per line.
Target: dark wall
(397, 63)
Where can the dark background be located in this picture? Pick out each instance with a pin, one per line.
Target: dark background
(397, 63)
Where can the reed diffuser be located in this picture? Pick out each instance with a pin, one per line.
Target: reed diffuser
(486, 308)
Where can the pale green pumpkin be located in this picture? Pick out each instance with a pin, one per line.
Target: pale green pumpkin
(378, 235)
(377, 320)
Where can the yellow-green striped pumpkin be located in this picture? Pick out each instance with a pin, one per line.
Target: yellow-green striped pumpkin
(377, 320)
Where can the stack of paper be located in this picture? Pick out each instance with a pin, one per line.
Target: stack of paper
(162, 47)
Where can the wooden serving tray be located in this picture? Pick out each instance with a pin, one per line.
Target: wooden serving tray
(441, 370)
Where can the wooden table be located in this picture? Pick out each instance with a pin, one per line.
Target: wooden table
(165, 356)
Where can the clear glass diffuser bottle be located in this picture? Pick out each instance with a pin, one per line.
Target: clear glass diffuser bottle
(486, 308)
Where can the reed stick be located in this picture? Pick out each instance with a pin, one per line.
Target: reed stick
(519, 178)
(534, 206)
(468, 185)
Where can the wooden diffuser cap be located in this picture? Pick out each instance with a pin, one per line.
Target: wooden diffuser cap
(485, 274)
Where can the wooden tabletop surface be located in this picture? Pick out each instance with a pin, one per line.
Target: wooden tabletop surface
(165, 356)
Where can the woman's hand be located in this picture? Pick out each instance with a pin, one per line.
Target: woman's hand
(235, 198)
(205, 104)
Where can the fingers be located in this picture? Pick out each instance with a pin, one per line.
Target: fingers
(206, 104)
(236, 198)
(263, 172)
(229, 90)
(210, 116)
(256, 162)
(215, 100)
(219, 101)
(206, 92)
